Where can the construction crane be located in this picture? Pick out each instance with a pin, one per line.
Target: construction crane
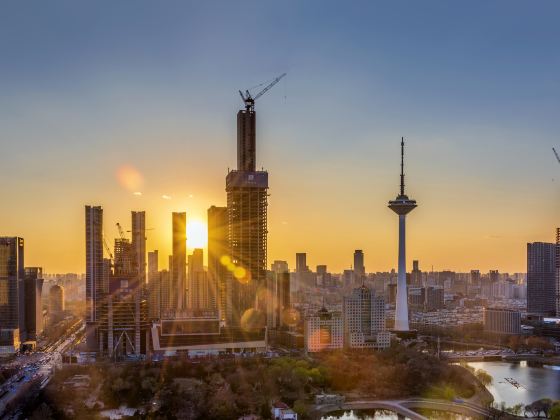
(556, 154)
(107, 248)
(250, 100)
(121, 231)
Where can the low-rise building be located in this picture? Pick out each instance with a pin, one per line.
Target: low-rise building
(200, 336)
(281, 411)
(502, 321)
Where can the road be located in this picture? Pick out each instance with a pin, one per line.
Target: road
(35, 368)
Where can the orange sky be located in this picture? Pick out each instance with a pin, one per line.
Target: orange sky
(473, 88)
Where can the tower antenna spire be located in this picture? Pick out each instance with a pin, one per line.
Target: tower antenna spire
(402, 165)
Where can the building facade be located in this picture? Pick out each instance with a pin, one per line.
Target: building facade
(217, 253)
(56, 303)
(247, 194)
(179, 262)
(359, 267)
(324, 331)
(541, 278)
(12, 304)
(364, 320)
(502, 321)
(123, 327)
(139, 243)
(33, 287)
(95, 287)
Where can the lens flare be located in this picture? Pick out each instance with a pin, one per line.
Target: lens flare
(290, 317)
(252, 319)
(129, 177)
(240, 273)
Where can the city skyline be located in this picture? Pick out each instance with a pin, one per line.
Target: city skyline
(150, 130)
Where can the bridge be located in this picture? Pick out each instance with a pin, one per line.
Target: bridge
(404, 407)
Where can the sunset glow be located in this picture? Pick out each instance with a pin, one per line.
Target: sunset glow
(197, 236)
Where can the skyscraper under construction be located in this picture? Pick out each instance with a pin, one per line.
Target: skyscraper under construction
(119, 302)
(247, 224)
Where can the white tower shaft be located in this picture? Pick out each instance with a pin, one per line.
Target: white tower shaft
(401, 312)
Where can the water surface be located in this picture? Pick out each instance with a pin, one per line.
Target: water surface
(535, 382)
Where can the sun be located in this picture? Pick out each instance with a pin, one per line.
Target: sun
(197, 234)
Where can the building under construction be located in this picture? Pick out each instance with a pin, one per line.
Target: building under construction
(247, 224)
(123, 326)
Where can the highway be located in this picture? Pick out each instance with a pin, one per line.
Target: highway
(35, 370)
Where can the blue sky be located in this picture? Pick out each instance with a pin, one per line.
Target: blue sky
(89, 86)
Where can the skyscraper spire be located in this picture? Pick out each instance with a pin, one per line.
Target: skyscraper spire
(402, 165)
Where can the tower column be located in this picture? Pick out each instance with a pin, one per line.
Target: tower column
(401, 312)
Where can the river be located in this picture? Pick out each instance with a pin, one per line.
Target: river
(535, 382)
(362, 415)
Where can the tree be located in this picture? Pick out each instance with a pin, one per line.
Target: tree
(515, 342)
(484, 377)
(301, 409)
(539, 343)
(555, 411)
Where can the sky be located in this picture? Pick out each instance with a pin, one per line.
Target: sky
(99, 100)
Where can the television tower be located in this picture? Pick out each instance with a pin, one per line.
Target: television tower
(402, 205)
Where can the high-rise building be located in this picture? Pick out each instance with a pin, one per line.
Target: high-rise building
(417, 297)
(247, 226)
(123, 324)
(359, 268)
(94, 262)
(179, 269)
(474, 287)
(304, 277)
(197, 291)
(166, 295)
(364, 320)
(324, 331)
(154, 286)
(324, 278)
(435, 298)
(402, 205)
(475, 278)
(12, 305)
(56, 303)
(558, 272)
(416, 275)
(139, 243)
(494, 276)
(279, 266)
(278, 293)
(33, 287)
(217, 252)
(301, 262)
(541, 278)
